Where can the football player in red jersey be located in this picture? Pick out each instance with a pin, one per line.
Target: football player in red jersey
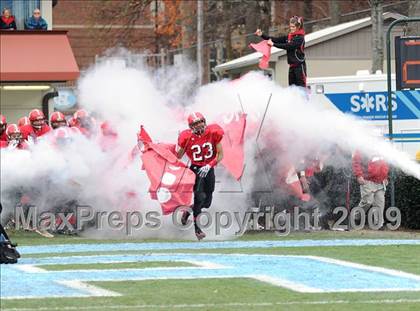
(15, 138)
(58, 120)
(202, 144)
(23, 121)
(38, 127)
(3, 125)
(84, 122)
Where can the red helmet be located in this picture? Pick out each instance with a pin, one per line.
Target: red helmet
(23, 121)
(37, 118)
(36, 114)
(13, 132)
(107, 129)
(72, 122)
(57, 120)
(80, 114)
(197, 123)
(83, 119)
(3, 123)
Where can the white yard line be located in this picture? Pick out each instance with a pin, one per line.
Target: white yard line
(30, 268)
(91, 289)
(206, 264)
(392, 272)
(286, 283)
(215, 305)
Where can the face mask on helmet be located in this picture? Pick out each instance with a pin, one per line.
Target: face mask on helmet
(198, 127)
(2, 128)
(38, 123)
(15, 137)
(57, 124)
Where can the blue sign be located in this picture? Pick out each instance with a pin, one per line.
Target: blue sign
(65, 100)
(374, 105)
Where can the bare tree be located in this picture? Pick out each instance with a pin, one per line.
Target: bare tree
(377, 35)
(257, 15)
(200, 30)
(307, 14)
(414, 10)
(128, 14)
(335, 12)
(187, 29)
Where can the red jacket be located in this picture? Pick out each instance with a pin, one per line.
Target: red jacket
(374, 169)
(7, 23)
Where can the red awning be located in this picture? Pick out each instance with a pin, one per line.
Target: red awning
(36, 56)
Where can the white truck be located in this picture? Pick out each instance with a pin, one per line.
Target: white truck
(365, 96)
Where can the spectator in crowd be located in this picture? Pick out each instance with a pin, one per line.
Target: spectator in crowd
(372, 176)
(36, 22)
(7, 20)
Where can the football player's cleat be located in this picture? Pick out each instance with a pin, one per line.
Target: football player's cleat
(8, 252)
(199, 234)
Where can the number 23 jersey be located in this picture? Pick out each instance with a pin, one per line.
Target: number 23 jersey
(201, 149)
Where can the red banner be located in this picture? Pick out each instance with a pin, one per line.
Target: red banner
(265, 49)
(233, 144)
(171, 181)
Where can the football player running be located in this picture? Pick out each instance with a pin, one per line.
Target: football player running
(202, 144)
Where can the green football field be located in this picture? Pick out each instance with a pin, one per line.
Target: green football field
(224, 293)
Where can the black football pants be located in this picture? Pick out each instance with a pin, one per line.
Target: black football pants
(203, 190)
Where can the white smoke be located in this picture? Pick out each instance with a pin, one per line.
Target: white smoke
(129, 96)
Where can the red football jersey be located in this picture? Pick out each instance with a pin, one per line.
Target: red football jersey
(29, 130)
(3, 136)
(201, 149)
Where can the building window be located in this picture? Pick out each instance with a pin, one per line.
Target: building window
(20, 9)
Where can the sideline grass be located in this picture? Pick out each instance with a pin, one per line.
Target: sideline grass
(31, 238)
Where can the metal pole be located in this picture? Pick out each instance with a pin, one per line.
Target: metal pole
(262, 121)
(200, 41)
(388, 75)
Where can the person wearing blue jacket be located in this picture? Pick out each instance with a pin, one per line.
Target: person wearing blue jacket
(36, 22)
